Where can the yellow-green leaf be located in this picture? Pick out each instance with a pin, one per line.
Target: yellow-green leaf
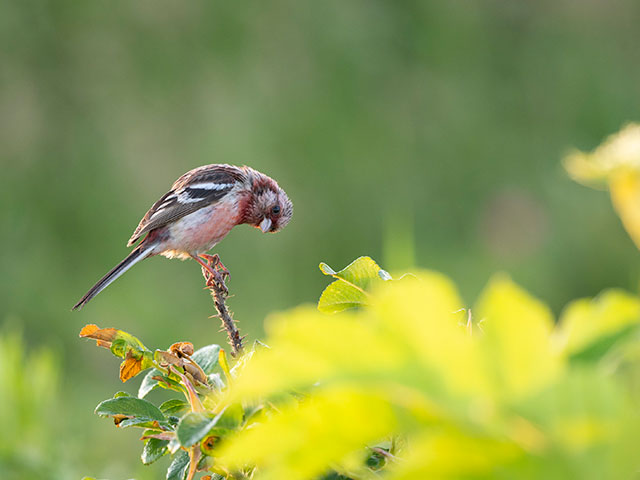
(619, 152)
(616, 164)
(423, 315)
(517, 334)
(588, 322)
(352, 285)
(625, 195)
(311, 436)
(304, 348)
(450, 454)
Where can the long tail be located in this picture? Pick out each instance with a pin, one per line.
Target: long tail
(139, 253)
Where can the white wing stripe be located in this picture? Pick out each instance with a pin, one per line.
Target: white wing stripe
(184, 195)
(156, 213)
(167, 201)
(210, 186)
(185, 198)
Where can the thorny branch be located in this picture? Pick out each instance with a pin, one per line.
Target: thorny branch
(214, 277)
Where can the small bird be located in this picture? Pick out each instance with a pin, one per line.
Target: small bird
(201, 208)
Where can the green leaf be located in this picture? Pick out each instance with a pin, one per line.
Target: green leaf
(194, 427)
(215, 381)
(376, 461)
(334, 476)
(598, 348)
(590, 327)
(230, 418)
(351, 286)
(119, 347)
(207, 358)
(130, 407)
(154, 448)
(149, 383)
(174, 407)
(138, 422)
(517, 330)
(253, 412)
(309, 437)
(179, 466)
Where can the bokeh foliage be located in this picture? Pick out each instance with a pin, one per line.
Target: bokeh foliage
(29, 410)
(502, 393)
(410, 386)
(422, 133)
(614, 165)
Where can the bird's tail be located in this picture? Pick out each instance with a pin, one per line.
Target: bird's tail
(139, 253)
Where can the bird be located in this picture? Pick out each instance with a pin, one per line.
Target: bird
(201, 208)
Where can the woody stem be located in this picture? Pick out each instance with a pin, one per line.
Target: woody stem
(215, 282)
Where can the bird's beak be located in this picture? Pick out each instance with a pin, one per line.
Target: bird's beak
(265, 224)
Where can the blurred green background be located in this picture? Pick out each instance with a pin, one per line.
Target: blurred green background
(420, 133)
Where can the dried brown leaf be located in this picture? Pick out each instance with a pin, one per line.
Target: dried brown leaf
(167, 358)
(182, 349)
(194, 370)
(103, 336)
(130, 367)
(119, 418)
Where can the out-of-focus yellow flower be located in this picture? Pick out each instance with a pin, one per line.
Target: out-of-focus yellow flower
(614, 164)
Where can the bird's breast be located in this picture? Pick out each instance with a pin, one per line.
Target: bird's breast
(201, 230)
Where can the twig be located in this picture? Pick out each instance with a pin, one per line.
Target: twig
(214, 275)
(194, 457)
(384, 453)
(192, 395)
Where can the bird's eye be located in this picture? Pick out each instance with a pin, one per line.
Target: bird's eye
(275, 210)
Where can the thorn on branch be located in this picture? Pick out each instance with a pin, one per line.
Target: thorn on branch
(215, 274)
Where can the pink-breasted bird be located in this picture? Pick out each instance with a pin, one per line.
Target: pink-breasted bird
(201, 208)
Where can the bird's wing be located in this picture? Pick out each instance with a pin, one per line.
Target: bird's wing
(194, 190)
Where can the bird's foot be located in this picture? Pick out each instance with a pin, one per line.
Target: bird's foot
(215, 262)
(214, 272)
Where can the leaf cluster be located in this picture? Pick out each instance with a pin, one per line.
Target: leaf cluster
(503, 392)
(186, 428)
(400, 381)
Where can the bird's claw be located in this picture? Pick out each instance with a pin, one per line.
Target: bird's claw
(215, 273)
(215, 262)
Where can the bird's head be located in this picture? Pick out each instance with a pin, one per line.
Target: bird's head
(269, 208)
